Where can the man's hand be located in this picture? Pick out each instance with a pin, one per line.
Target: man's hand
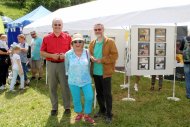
(93, 59)
(62, 56)
(98, 61)
(55, 56)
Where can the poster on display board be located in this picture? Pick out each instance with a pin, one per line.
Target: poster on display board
(152, 50)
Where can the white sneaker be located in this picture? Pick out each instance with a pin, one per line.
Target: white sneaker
(2, 87)
(136, 87)
(124, 86)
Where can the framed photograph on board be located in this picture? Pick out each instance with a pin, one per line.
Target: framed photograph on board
(160, 49)
(159, 63)
(160, 35)
(143, 49)
(143, 63)
(143, 34)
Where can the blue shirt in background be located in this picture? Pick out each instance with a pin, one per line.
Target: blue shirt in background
(35, 48)
(23, 55)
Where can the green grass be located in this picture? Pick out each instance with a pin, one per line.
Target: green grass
(11, 10)
(151, 109)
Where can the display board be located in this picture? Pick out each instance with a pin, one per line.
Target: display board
(152, 50)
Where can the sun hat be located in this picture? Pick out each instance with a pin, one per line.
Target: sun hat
(15, 46)
(77, 37)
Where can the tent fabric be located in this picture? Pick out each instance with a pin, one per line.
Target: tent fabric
(114, 13)
(12, 35)
(15, 27)
(2, 30)
(30, 17)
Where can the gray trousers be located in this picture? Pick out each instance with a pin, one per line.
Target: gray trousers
(56, 75)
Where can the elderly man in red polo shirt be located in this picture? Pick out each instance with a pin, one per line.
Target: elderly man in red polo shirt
(54, 47)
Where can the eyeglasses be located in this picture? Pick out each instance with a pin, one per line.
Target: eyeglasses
(97, 29)
(33, 34)
(57, 24)
(79, 41)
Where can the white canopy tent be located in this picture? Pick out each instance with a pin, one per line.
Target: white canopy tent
(115, 13)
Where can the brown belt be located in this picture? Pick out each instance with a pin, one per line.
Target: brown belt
(56, 61)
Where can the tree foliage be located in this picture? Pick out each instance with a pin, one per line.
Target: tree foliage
(53, 5)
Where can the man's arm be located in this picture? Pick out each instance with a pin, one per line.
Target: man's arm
(112, 57)
(4, 53)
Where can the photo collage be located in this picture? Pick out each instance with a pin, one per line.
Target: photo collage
(144, 49)
(160, 49)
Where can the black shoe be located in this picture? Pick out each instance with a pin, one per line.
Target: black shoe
(108, 120)
(99, 114)
(54, 112)
(39, 78)
(67, 112)
(33, 78)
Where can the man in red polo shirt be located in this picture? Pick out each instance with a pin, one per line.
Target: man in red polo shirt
(54, 47)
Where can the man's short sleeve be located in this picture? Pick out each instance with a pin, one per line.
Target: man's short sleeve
(70, 40)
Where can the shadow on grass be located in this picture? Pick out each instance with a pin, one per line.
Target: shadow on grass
(10, 95)
(54, 122)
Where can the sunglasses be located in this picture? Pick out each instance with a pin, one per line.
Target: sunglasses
(97, 29)
(78, 42)
(57, 24)
(33, 34)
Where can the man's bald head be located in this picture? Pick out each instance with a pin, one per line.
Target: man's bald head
(57, 25)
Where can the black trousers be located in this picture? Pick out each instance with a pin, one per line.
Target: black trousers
(104, 96)
(3, 74)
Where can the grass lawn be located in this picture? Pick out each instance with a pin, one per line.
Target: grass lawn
(31, 108)
(11, 11)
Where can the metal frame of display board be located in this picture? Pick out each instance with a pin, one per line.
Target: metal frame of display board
(174, 98)
(127, 57)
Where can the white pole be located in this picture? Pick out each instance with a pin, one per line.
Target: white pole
(124, 85)
(129, 58)
(173, 96)
(46, 73)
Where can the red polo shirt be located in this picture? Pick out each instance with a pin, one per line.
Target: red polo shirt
(53, 44)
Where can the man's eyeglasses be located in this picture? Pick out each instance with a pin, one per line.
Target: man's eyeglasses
(97, 29)
(79, 41)
(57, 24)
(33, 34)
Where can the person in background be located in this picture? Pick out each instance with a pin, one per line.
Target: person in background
(16, 67)
(153, 81)
(77, 65)
(104, 54)
(185, 50)
(35, 56)
(137, 79)
(4, 61)
(54, 47)
(23, 55)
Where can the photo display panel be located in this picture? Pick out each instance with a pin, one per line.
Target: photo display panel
(152, 50)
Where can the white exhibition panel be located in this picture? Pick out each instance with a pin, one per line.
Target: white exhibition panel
(159, 63)
(117, 34)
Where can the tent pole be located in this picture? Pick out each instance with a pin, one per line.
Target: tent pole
(128, 98)
(174, 81)
(124, 85)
